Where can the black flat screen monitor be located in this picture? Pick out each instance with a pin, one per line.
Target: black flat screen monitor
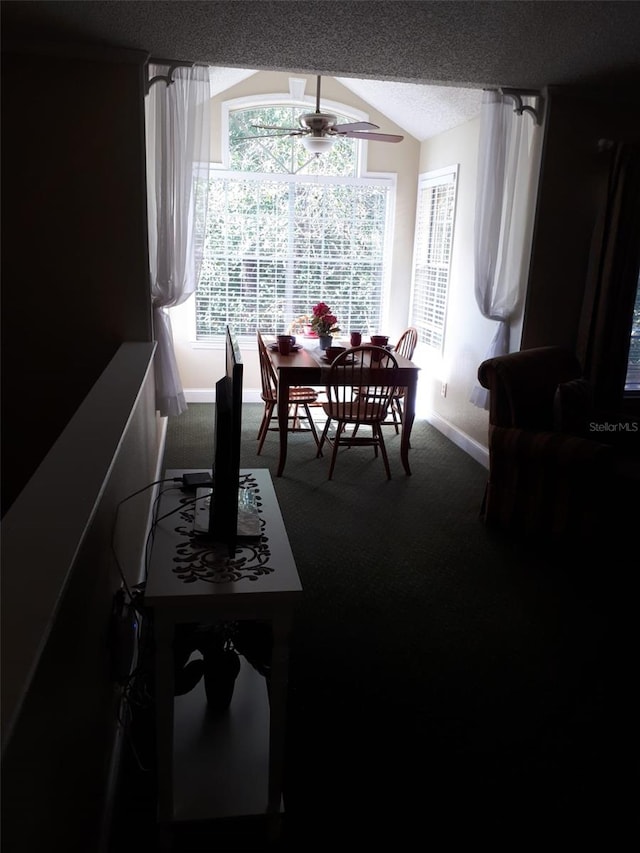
(223, 507)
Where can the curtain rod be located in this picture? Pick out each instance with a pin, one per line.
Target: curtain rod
(518, 95)
(173, 64)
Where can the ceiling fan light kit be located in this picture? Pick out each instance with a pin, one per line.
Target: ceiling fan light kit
(318, 144)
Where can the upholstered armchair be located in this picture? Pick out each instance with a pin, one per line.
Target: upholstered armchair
(547, 476)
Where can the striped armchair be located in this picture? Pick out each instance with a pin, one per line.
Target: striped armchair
(547, 476)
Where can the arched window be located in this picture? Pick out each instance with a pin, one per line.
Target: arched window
(287, 229)
(252, 149)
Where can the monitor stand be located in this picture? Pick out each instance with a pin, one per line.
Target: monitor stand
(248, 517)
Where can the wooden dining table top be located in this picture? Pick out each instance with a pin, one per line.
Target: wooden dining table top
(311, 357)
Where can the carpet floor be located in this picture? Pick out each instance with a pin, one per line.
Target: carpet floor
(448, 686)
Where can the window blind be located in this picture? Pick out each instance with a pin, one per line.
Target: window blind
(276, 245)
(432, 255)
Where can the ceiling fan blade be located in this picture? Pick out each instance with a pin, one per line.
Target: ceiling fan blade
(356, 125)
(375, 137)
(272, 127)
(266, 136)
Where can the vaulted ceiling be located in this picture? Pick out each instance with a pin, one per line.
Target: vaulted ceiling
(422, 111)
(431, 58)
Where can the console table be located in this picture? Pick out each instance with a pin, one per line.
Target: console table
(231, 764)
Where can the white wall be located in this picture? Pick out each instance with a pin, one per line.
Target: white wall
(467, 333)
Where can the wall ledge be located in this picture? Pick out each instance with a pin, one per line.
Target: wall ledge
(44, 528)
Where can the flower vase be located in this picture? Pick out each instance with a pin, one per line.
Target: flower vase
(325, 341)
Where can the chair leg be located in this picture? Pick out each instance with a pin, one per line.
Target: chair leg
(394, 408)
(339, 430)
(383, 450)
(295, 423)
(323, 437)
(312, 427)
(262, 422)
(264, 426)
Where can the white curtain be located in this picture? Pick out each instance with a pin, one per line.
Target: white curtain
(503, 217)
(178, 131)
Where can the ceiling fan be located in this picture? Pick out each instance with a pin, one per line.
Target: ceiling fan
(319, 130)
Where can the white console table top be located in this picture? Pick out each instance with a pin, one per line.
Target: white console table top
(187, 571)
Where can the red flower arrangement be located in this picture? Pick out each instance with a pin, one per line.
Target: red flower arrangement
(323, 321)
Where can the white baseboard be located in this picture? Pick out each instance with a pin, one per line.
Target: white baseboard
(476, 450)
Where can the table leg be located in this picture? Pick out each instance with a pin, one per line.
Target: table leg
(163, 637)
(283, 420)
(407, 423)
(281, 626)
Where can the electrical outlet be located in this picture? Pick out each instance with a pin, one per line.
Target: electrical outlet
(443, 390)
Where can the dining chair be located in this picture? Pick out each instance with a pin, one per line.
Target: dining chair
(406, 347)
(299, 397)
(359, 393)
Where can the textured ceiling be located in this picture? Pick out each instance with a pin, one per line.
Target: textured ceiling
(458, 45)
(422, 111)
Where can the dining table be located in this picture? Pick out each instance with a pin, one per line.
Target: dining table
(306, 365)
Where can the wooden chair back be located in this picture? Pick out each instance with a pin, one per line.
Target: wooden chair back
(360, 384)
(406, 346)
(268, 376)
(407, 342)
(299, 398)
